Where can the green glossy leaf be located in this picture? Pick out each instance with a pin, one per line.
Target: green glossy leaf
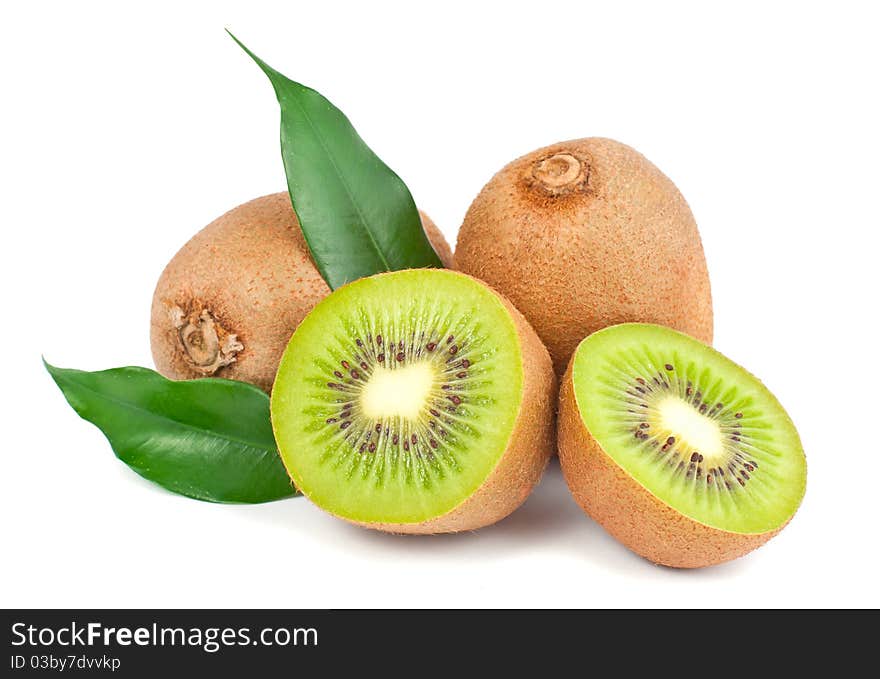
(208, 439)
(357, 216)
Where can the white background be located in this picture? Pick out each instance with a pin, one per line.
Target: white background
(126, 130)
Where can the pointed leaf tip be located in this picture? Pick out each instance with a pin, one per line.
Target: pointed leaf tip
(357, 216)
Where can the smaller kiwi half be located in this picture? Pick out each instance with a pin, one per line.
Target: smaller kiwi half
(677, 451)
(416, 401)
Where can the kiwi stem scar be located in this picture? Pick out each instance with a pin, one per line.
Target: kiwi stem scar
(560, 173)
(205, 348)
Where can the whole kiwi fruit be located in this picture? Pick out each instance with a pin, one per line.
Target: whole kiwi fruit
(585, 234)
(229, 300)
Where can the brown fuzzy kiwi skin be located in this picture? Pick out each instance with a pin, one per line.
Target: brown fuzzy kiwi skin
(627, 510)
(251, 272)
(438, 241)
(615, 241)
(519, 469)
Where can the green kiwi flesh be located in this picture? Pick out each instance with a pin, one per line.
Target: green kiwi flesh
(692, 427)
(397, 396)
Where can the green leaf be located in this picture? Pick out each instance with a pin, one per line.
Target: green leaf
(208, 439)
(357, 216)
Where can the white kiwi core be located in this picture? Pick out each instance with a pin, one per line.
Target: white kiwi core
(696, 431)
(398, 392)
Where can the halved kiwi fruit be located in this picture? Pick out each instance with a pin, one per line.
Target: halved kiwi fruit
(416, 401)
(677, 451)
